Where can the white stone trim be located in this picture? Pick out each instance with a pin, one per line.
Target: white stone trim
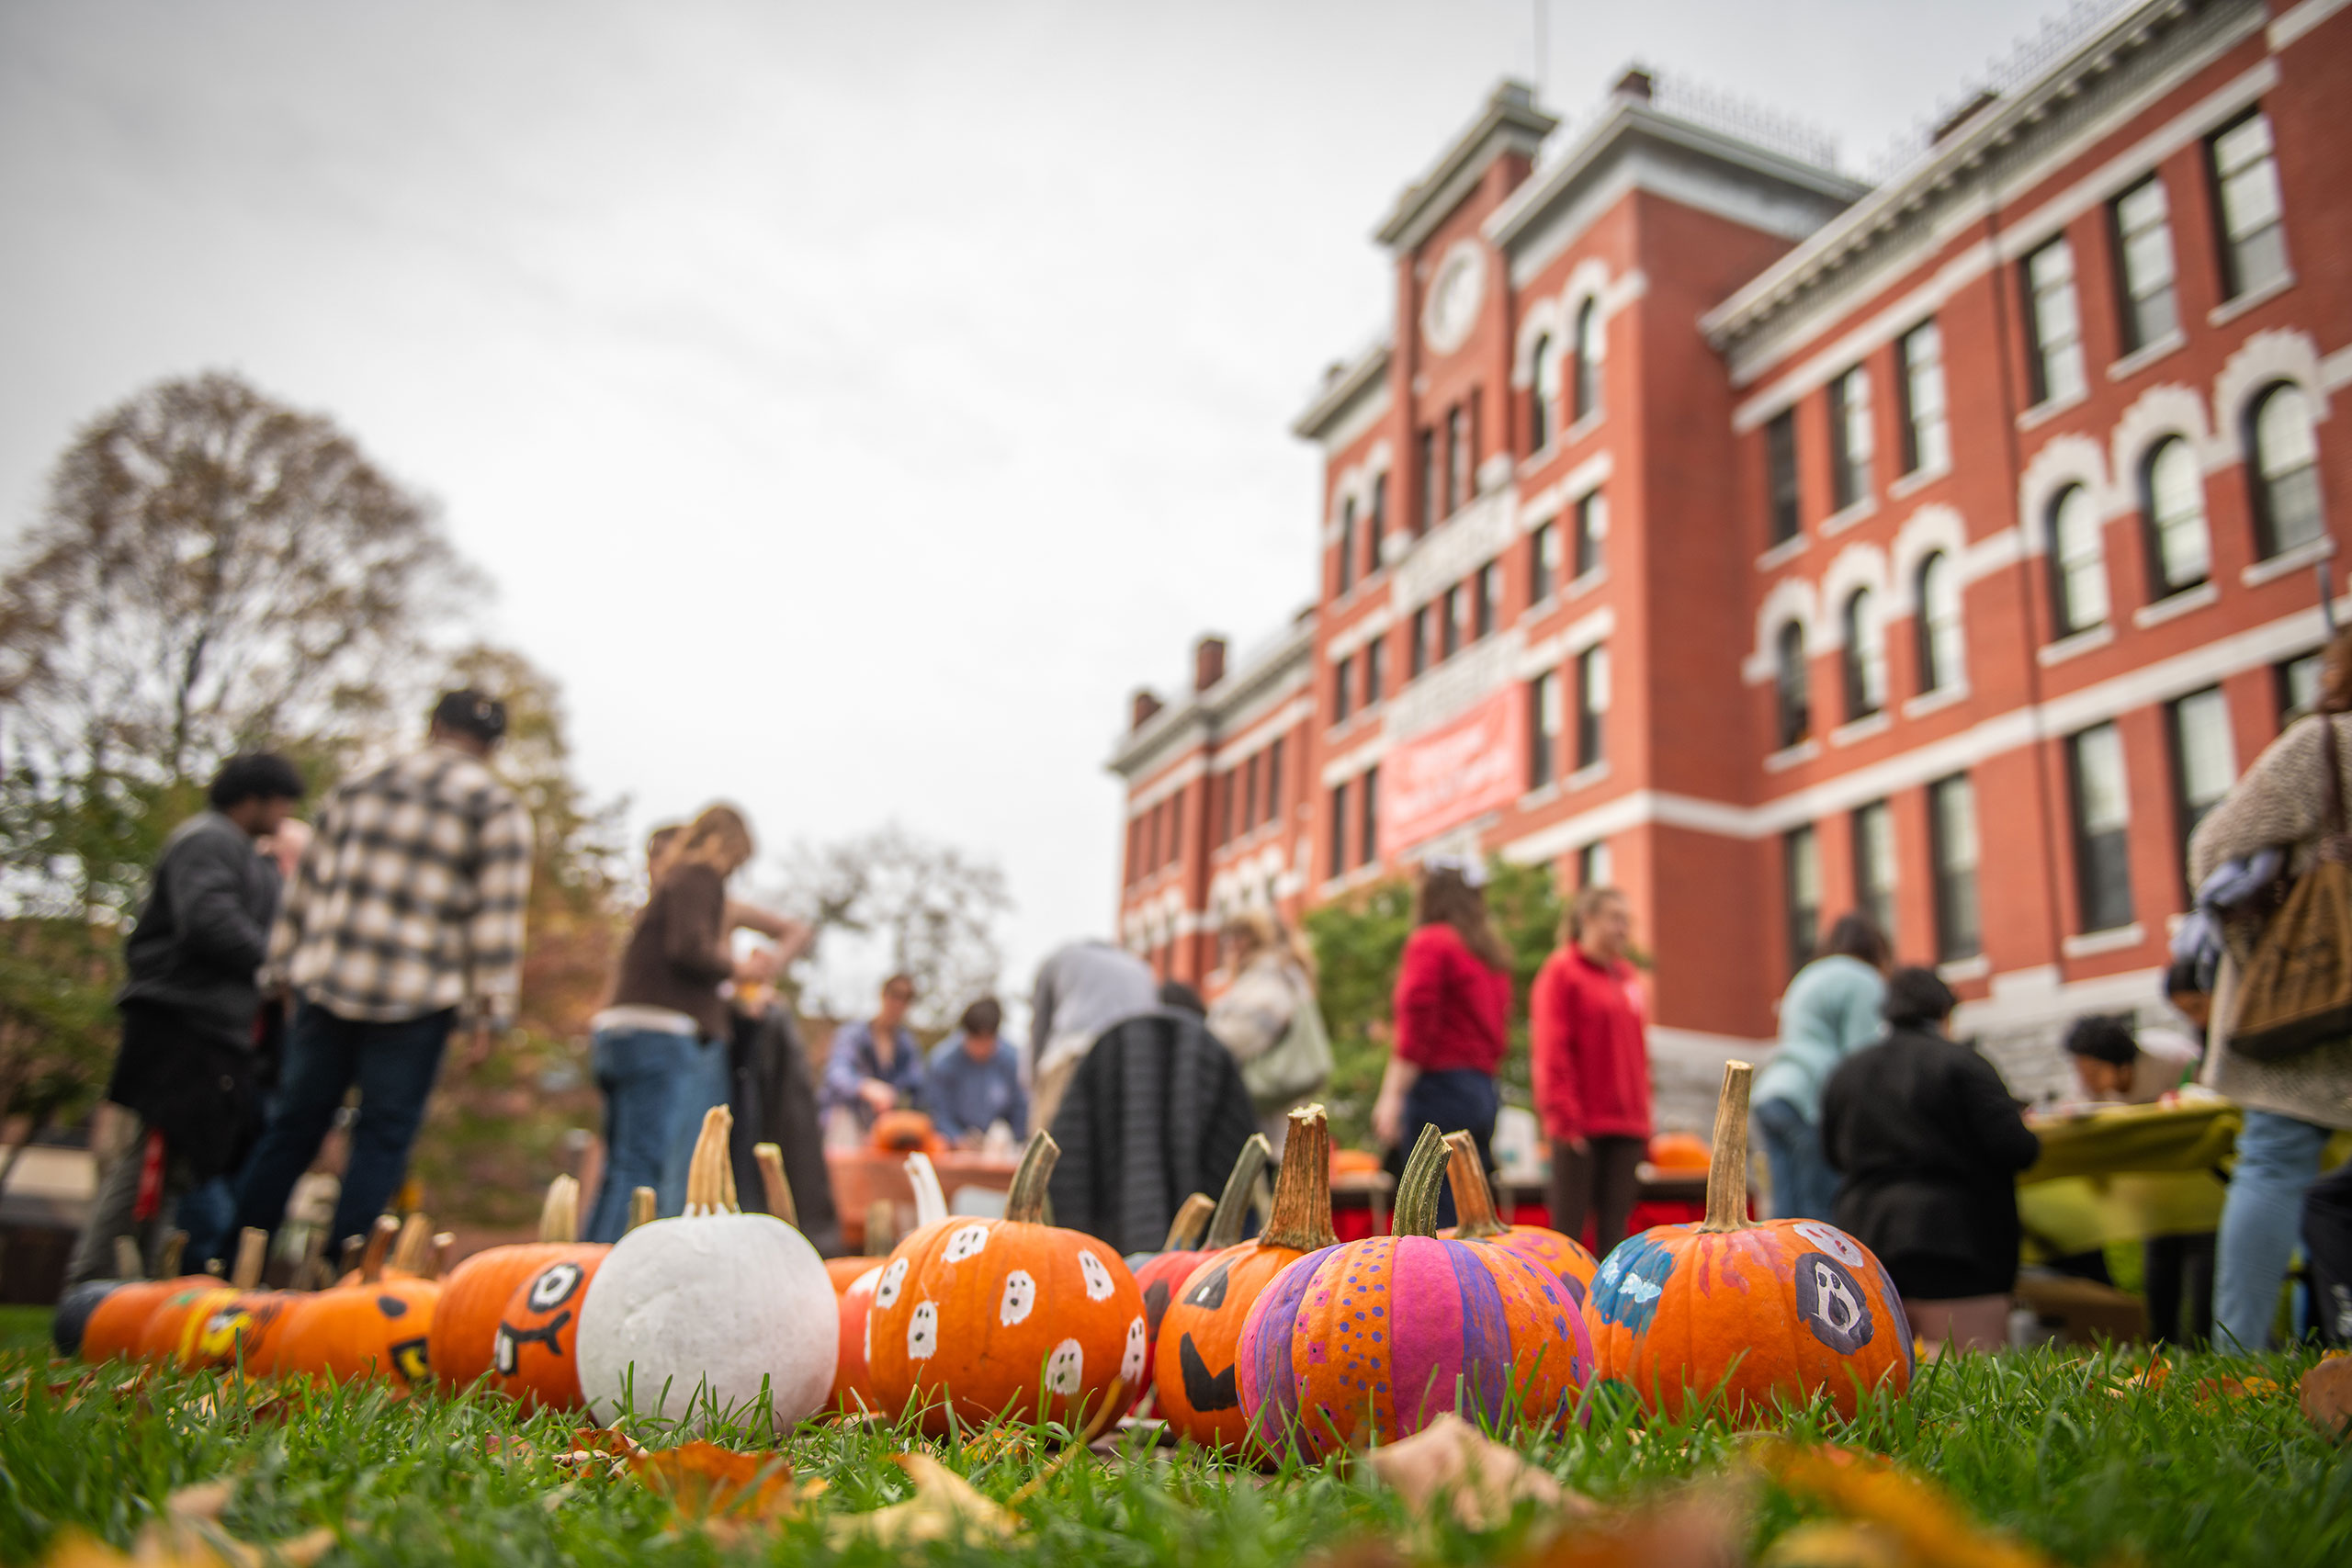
(1356, 634)
(1791, 599)
(1573, 486)
(2160, 411)
(2090, 945)
(2286, 562)
(2172, 606)
(2063, 461)
(1855, 731)
(1586, 631)
(2090, 640)
(1859, 565)
(2147, 353)
(2297, 21)
(1782, 554)
(1935, 526)
(2230, 310)
(2276, 353)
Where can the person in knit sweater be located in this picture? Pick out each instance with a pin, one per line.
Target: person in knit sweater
(1588, 1034)
(1830, 1011)
(1452, 1017)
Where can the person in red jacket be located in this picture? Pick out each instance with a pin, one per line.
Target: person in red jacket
(1452, 1017)
(1588, 1027)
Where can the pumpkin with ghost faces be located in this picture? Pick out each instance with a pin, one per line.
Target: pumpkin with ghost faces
(853, 1383)
(1753, 1315)
(1013, 1317)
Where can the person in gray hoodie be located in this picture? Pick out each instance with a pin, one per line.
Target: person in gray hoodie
(187, 1071)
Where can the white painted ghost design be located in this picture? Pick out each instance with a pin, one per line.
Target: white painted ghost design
(966, 1242)
(1098, 1279)
(1019, 1296)
(1131, 1363)
(886, 1289)
(922, 1332)
(1066, 1368)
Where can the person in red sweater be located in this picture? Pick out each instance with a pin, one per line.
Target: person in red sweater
(1589, 1025)
(1452, 1017)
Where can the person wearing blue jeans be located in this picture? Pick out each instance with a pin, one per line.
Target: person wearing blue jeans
(2261, 1219)
(639, 1070)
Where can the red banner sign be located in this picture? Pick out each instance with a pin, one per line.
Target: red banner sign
(1476, 764)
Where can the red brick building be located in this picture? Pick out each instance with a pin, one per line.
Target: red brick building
(1768, 543)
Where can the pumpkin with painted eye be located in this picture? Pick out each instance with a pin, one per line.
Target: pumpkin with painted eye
(1473, 1201)
(1201, 1229)
(1194, 1369)
(377, 1326)
(239, 1327)
(1009, 1318)
(1753, 1314)
(1371, 1341)
(474, 1297)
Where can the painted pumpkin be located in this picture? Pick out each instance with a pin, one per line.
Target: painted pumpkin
(1195, 1373)
(1473, 1201)
(1370, 1341)
(163, 1328)
(240, 1329)
(1009, 1318)
(853, 1383)
(118, 1319)
(465, 1321)
(1201, 1228)
(377, 1326)
(709, 1312)
(535, 1351)
(1781, 1311)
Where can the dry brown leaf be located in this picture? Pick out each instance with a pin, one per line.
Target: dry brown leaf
(944, 1507)
(1929, 1528)
(2211, 1389)
(1835, 1543)
(179, 1542)
(707, 1485)
(2327, 1396)
(1700, 1528)
(1451, 1465)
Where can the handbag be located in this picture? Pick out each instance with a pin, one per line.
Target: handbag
(2296, 992)
(1296, 1064)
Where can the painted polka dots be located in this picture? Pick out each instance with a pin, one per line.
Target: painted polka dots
(1098, 1279)
(1066, 1368)
(1019, 1296)
(885, 1291)
(967, 1242)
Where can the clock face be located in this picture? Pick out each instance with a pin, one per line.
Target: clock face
(1451, 308)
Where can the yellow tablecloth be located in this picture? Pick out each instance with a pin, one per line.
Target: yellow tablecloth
(2127, 1173)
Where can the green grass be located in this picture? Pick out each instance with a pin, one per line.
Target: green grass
(2032, 1444)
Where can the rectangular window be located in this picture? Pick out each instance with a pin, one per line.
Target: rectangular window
(2142, 220)
(1230, 785)
(1457, 458)
(1250, 792)
(1592, 702)
(1486, 600)
(1368, 842)
(1344, 557)
(1781, 475)
(1135, 850)
(1875, 865)
(2205, 759)
(1543, 727)
(1417, 657)
(1449, 631)
(1339, 829)
(2102, 828)
(1375, 670)
(1343, 672)
(1800, 851)
(1375, 533)
(1175, 828)
(1274, 781)
(1927, 438)
(2246, 187)
(1592, 530)
(1595, 866)
(2057, 324)
(1425, 501)
(2298, 688)
(1849, 438)
(1951, 828)
(1151, 838)
(1542, 562)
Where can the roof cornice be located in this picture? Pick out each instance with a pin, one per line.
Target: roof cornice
(1510, 121)
(1201, 716)
(1339, 393)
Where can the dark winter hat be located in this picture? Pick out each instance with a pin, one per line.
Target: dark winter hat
(473, 712)
(254, 775)
(1917, 996)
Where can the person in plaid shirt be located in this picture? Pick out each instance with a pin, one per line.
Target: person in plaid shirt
(405, 914)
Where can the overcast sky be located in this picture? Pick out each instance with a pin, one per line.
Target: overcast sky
(850, 404)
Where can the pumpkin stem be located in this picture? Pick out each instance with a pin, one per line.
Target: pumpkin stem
(1024, 1200)
(1240, 1187)
(168, 1265)
(379, 1244)
(355, 1249)
(253, 1248)
(710, 1179)
(415, 1246)
(1302, 1218)
(126, 1258)
(1474, 1200)
(445, 1247)
(771, 1178)
(311, 1273)
(1419, 1187)
(1727, 1168)
(560, 1215)
(931, 1201)
(1185, 1230)
(642, 1206)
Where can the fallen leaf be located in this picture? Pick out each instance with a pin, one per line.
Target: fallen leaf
(1700, 1528)
(1930, 1529)
(707, 1483)
(506, 1451)
(2211, 1389)
(944, 1507)
(188, 1543)
(2327, 1396)
(1835, 1543)
(1450, 1466)
(203, 1500)
(605, 1440)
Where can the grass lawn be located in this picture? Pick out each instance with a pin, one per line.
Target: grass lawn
(2039, 1445)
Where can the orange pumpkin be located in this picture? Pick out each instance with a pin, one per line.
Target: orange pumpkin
(164, 1329)
(239, 1327)
(378, 1326)
(1193, 1368)
(1473, 1201)
(474, 1298)
(853, 1382)
(1009, 1317)
(1371, 1341)
(534, 1354)
(1778, 1312)
(1353, 1162)
(118, 1322)
(1161, 1274)
(1680, 1152)
(906, 1132)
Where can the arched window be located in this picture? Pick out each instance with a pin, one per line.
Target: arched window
(2077, 563)
(1588, 350)
(1543, 395)
(1865, 655)
(1347, 548)
(2285, 469)
(2172, 502)
(1794, 701)
(1941, 650)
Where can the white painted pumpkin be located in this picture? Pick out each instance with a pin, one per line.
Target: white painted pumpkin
(699, 1310)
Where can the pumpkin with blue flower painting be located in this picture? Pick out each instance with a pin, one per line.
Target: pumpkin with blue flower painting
(1751, 1314)
(1011, 1318)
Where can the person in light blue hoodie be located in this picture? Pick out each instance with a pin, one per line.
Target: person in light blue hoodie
(1830, 1011)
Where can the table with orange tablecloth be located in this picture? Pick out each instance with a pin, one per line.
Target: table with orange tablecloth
(863, 1176)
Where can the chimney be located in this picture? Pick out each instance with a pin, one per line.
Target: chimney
(1146, 704)
(1208, 662)
(1636, 83)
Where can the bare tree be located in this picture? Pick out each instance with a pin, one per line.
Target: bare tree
(935, 908)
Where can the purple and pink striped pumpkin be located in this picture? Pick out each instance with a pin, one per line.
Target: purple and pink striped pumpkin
(1371, 1340)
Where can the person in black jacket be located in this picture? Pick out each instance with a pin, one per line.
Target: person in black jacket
(1928, 1142)
(187, 1071)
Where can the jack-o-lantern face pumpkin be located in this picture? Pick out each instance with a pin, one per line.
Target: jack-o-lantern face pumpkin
(1202, 1229)
(1751, 1314)
(378, 1326)
(1005, 1317)
(1193, 1355)
(533, 1350)
(1473, 1201)
(475, 1296)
